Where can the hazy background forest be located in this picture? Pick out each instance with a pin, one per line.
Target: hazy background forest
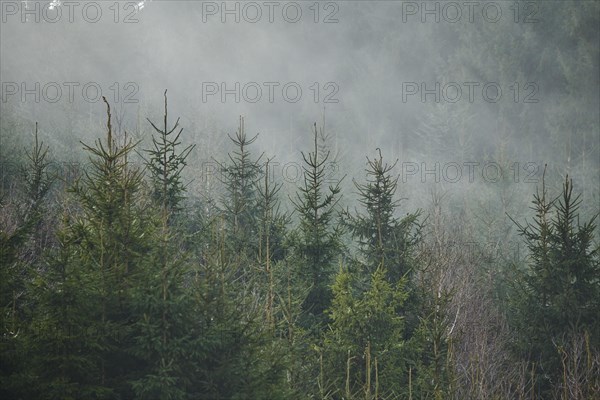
(328, 200)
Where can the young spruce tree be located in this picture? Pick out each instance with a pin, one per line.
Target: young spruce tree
(559, 293)
(383, 238)
(165, 330)
(110, 246)
(318, 239)
(20, 260)
(241, 211)
(368, 313)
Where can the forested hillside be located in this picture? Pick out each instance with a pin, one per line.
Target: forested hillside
(114, 285)
(395, 244)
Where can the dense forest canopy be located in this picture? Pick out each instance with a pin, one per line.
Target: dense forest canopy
(289, 200)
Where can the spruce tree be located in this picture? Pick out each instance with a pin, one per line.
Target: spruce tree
(558, 295)
(271, 247)
(318, 239)
(236, 351)
(111, 244)
(165, 328)
(78, 342)
(368, 329)
(20, 259)
(385, 241)
(234, 285)
(364, 347)
(64, 341)
(166, 165)
(383, 238)
(240, 204)
(16, 265)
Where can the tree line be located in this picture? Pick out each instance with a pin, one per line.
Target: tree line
(119, 285)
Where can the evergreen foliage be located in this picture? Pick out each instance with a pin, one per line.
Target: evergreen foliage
(241, 201)
(166, 165)
(20, 251)
(165, 328)
(122, 288)
(384, 239)
(558, 296)
(318, 239)
(365, 343)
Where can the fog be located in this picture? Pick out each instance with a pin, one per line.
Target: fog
(434, 85)
(413, 212)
